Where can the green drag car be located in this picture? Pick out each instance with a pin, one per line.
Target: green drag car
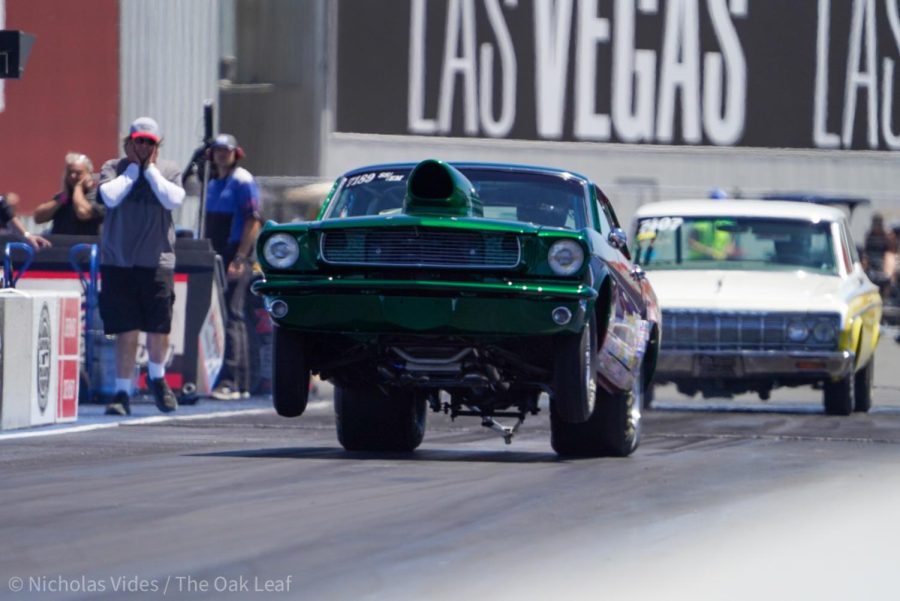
(470, 289)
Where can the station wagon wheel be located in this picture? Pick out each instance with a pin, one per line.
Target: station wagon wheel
(612, 430)
(368, 419)
(290, 382)
(862, 387)
(838, 396)
(574, 375)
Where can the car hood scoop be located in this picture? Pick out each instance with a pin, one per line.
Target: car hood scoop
(436, 188)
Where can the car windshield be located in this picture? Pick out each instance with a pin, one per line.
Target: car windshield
(736, 243)
(539, 198)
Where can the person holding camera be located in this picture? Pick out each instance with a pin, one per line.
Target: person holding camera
(232, 224)
(74, 209)
(137, 260)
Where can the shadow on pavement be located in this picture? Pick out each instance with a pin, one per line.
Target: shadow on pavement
(430, 455)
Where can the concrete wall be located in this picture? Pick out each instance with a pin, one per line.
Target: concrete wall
(632, 174)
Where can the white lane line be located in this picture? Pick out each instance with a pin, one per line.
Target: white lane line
(69, 430)
(161, 419)
(153, 419)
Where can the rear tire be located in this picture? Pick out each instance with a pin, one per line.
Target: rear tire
(367, 419)
(612, 430)
(838, 396)
(290, 382)
(862, 387)
(574, 376)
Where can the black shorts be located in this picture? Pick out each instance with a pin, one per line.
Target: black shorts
(136, 298)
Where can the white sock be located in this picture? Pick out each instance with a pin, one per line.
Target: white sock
(156, 370)
(123, 385)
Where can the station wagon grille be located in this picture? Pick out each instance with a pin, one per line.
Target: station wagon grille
(421, 247)
(741, 331)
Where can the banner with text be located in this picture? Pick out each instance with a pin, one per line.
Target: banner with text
(750, 73)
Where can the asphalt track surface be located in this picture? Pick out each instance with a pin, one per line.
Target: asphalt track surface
(725, 499)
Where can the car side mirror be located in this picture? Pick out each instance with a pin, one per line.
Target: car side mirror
(617, 238)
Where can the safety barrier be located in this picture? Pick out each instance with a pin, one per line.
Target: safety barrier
(197, 339)
(40, 333)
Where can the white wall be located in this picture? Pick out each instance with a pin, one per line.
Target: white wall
(631, 174)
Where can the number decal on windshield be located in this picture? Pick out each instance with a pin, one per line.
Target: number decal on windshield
(362, 178)
(660, 224)
(368, 178)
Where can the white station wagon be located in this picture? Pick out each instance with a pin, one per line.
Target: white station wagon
(758, 294)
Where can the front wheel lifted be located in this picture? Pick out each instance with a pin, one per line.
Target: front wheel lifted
(368, 419)
(612, 430)
(290, 384)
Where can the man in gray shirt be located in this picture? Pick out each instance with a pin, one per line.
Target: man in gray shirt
(137, 260)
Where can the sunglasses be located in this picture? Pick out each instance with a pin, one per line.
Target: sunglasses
(146, 141)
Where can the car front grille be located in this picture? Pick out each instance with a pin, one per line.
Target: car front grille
(421, 247)
(737, 331)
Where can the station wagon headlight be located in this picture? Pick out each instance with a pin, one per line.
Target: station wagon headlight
(825, 331)
(565, 257)
(797, 331)
(281, 251)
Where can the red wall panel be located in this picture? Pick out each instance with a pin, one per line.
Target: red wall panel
(67, 98)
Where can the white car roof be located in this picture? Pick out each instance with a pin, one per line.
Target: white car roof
(741, 208)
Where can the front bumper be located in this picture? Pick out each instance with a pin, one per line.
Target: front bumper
(756, 365)
(441, 308)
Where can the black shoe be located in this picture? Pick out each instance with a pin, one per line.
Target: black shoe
(120, 405)
(165, 398)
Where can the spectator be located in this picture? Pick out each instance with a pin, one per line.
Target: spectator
(137, 261)
(232, 223)
(74, 209)
(880, 247)
(10, 222)
(11, 199)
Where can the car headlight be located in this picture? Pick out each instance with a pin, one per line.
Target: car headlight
(797, 331)
(825, 331)
(565, 257)
(281, 251)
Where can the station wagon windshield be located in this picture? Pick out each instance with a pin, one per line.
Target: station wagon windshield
(734, 243)
(539, 198)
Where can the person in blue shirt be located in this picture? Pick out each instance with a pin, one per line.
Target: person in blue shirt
(232, 223)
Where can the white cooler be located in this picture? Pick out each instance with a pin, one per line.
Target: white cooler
(40, 334)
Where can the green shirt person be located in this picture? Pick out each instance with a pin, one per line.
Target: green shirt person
(709, 240)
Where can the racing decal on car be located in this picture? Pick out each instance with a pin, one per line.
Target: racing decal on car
(660, 224)
(368, 178)
(619, 355)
